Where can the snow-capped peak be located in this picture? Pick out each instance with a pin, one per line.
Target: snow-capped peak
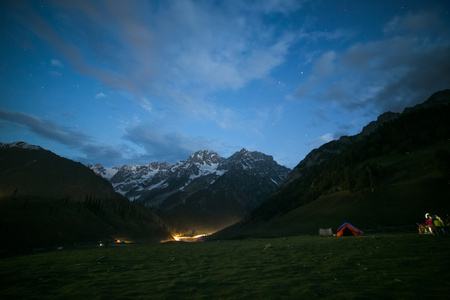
(106, 173)
(22, 145)
(205, 157)
(155, 182)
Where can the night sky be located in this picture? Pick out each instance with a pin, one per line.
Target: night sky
(133, 82)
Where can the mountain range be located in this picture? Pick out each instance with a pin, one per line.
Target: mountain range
(204, 193)
(388, 176)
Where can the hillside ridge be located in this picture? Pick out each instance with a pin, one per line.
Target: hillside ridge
(48, 200)
(401, 161)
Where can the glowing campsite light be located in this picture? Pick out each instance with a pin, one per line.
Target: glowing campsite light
(199, 236)
(123, 241)
(195, 238)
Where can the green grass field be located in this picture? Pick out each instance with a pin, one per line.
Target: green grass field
(384, 266)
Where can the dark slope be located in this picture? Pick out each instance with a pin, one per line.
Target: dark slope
(390, 177)
(47, 200)
(26, 170)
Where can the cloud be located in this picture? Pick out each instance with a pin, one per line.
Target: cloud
(93, 152)
(107, 155)
(56, 63)
(160, 146)
(385, 74)
(55, 73)
(319, 141)
(145, 104)
(46, 129)
(273, 6)
(423, 22)
(100, 95)
(327, 137)
(152, 49)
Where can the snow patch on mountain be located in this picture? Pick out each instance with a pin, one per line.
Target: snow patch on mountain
(21, 145)
(274, 181)
(106, 173)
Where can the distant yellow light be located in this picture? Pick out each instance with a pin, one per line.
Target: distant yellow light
(179, 238)
(199, 236)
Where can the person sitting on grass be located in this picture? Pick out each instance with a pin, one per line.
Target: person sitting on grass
(422, 228)
(429, 223)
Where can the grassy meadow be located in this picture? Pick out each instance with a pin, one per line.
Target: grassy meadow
(383, 266)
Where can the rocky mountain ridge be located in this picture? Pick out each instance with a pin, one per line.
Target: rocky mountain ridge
(324, 152)
(134, 181)
(206, 189)
(21, 145)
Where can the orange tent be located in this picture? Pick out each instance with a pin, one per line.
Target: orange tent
(348, 229)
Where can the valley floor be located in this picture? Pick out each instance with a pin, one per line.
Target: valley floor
(384, 266)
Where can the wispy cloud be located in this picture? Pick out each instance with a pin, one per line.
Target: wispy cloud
(161, 146)
(193, 47)
(93, 152)
(145, 104)
(100, 95)
(108, 155)
(323, 139)
(423, 22)
(386, 74)
(56, 63)
(46, 129)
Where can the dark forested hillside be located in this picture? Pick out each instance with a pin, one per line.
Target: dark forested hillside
(26, 171)
(48, 200)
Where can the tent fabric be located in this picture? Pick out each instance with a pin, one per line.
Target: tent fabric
(348, 229)
(325, 232)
